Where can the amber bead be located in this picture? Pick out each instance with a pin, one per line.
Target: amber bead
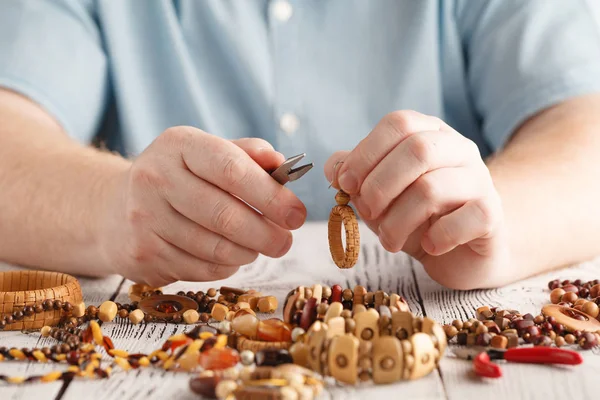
(219, 358)
(246, 325)
(569, 297)
(273, 357)
(569, 338)
(591, 309)
(274, 331)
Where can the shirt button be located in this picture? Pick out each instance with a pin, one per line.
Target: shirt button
(282, 10)
(289, 123)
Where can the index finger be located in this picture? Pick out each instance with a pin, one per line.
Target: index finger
(387, 134)
(228, 167)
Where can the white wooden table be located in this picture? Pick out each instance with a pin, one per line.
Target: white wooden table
(307, 263)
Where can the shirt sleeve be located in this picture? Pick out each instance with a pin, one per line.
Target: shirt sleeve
(51, 51)
(524, 56)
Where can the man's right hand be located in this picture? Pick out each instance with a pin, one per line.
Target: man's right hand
(177, 213)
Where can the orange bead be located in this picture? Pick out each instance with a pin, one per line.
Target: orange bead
(219, 358)
(274, 331)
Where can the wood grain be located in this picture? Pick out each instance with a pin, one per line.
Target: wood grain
(307, 263)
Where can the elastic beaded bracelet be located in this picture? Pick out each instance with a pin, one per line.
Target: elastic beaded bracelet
(343, 213)
(383, 348)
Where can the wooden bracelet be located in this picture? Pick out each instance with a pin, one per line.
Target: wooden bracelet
(343, 213)
(20, 289)
(384, 349)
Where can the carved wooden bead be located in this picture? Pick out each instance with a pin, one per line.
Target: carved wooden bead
(299, 352)
(334, 310)
(107, 311)
(342, 198)
(591, 309)
(336, 326)
(79, 310)
(388, 360)
(342, 361)
(317, 292)
(423, 353)
(317, 335)
(358, 308)
(367, 325)
(359, 295)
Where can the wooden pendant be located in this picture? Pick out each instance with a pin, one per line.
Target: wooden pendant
(343, 213)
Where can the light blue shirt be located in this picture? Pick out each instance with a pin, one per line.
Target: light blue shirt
(310, 76)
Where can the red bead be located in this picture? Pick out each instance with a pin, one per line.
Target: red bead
(309, 313)
(219, 358)
(336, 293)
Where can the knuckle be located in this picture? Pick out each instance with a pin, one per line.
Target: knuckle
(375, 195)
(227, 220)
(446, 236)
(428, 189)
(177, 136)
(400, 121)
(234, 170)
(223, 251)
(420, 149)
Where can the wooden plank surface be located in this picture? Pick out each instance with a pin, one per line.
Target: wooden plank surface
(307, 263)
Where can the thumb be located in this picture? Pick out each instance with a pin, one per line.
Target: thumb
(261, 152)
(332, 167)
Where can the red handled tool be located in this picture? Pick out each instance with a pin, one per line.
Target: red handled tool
(483, 365)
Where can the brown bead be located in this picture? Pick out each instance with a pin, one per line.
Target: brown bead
(350, 325)
(467, 325)
(556, 295)
(212, 292)
(591, 309)
(123, 313)
(308, 293)
(204, 317)
(267, 304)
(569, 338)
(450, 331)
(38, 308)
(92, 311)
(322, 309)
(346, 314)
(58, 304)
(539, 319)
(28, 311)
(560, 341)
(326, 292)
(176, 318)
(457, 324)
(587, 340)
(18, 315)
(570, 297)
(499, 342)
(48, 305)
(347, 294)
(481, 329)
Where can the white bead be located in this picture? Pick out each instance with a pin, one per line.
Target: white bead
(289, 123)
(224, 327)
(282, 10)
(296, 332)
(247, 357)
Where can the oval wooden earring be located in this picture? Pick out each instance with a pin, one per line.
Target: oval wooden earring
(343, 213)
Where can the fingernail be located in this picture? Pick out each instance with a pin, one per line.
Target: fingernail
(294, 218)
(348, 182)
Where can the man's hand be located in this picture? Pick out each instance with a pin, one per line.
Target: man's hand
(177, 213)
(424, 189)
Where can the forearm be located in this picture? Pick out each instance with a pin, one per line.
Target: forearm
(548, 179)
(53, 192)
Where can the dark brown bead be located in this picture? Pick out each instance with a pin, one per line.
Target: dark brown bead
(9, 319)
(565, 282)
(309, 313)
(67, 307)
(65, 348)
(272, 357)
(552, 320)
(176, 318)
(28, 311)
(119, 306)
(542, 340)
(204, 317)
(231, 297)
(199, 298)
(38, 308)
(2, 323)
(148, 318)
(46, 351)
(522, 324)
(92, 311)
(553, 284)
(559, 328)
(577, 282)
(181, 293)
(205, 386)
(483, 339)
(48, 305)
(73, 358)
(18, 315)
(584, 293)
(587, 340)
(528, 317)
(190, 294)
(123, 313)
(58, 304)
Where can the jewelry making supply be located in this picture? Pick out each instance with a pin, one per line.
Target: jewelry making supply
(342, 213)
(32, 299)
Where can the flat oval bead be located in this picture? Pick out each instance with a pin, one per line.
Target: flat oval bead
(205, 385)
(273, 357)
(309, 313)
